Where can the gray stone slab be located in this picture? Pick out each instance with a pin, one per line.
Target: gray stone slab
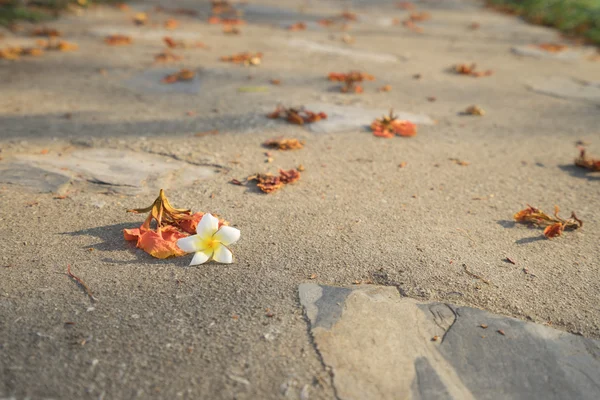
(30, 176)
(356, 54)
(124, 171)
(150, 81)
(379, 346)
(536, 52)
(566, 87)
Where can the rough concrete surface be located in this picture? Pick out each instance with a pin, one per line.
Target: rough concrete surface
(162, 330)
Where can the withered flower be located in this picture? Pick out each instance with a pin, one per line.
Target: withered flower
(181, 76)
(298, 116)
(284, 144)
(388, 126)
(269, 183)
(553, 225)
(584, 161)
(170, 225)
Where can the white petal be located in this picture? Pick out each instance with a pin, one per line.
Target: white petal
(223, 255)
(207, 226)
(190, 244)
(201, 257)
(227, 235)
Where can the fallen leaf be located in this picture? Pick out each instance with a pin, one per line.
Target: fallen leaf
(326, 22)
(402, 164)
(410, 24)
(284, 144)
(183, 44)
(586, 162)
(475, 110)
(118, 40)
(167, 57)
(244, 58)
(298, 26)
(351, 80)
(460, 162)
(419, 16)
(385, 88)
(183, 75)
(435, 338)
(312, 276)
(484, 326)
(388, 126)
(122, 6)
(269, 183)
(510, 260)
(349, 16)
(45, 31)
(140, 18)
(469, 69)
(275, 82)
(298, 116)
(236, 182)
(44, 151)
(500, 331)
(552, 47)
(171, 24)
(300, 168)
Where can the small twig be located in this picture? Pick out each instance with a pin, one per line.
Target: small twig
(80, 283)
(475, 275)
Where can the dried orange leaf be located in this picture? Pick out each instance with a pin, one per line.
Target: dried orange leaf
(269, 183)
(284, 144)
(118, 40)
(475, 110)
(171, 24)
(298, 26)
(140, 18)
(45, 31)
(167, 57)
(183, 44)
(552, 47)
(469, 69)
(584, 161)
(298, 116)
(184, 75)
(244, 58)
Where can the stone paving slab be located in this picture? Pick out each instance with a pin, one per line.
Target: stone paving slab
(123, 171)
(381, 345)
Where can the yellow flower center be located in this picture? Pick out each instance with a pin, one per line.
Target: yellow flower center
(208, 243)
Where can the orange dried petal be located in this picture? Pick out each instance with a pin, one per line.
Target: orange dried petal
(161, 245)
(553, 230)
(405, 128)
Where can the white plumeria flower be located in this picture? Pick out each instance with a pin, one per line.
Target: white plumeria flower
(210, 241)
